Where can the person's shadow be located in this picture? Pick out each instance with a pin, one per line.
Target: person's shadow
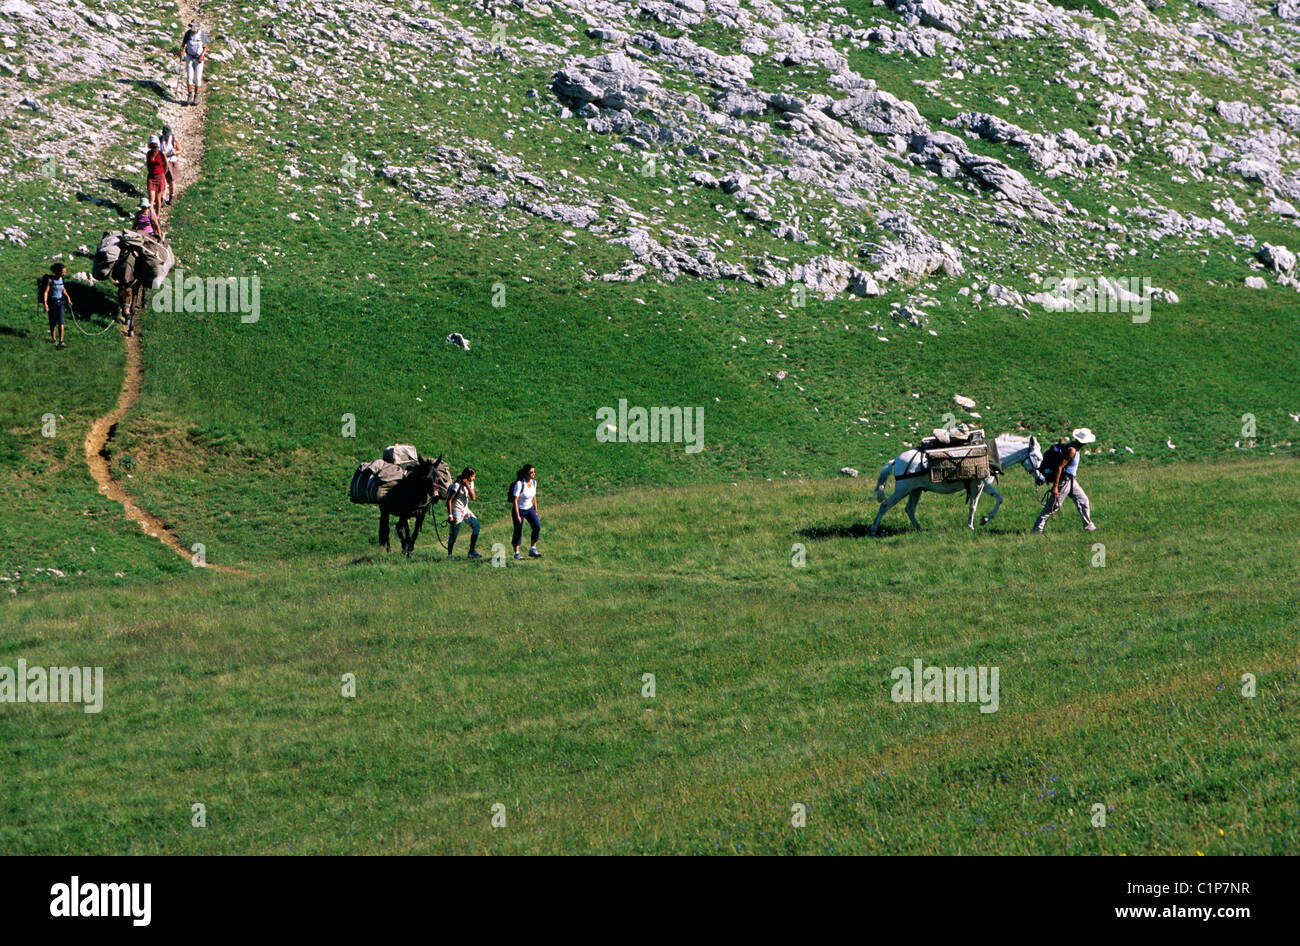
(125, 188)
(92, 304)
(154, 86)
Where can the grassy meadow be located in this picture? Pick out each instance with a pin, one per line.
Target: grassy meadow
(523, 686)
(740, 577)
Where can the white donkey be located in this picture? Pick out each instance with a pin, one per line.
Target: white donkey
(911, 473)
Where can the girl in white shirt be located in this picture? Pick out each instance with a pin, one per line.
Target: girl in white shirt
(523, 505)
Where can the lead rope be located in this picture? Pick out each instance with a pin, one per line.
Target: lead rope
(438, 532)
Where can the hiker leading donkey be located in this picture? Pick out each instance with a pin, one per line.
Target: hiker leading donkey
(911, 472)
(54, 296)
(1061, 465)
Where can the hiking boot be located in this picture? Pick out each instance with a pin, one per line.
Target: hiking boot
(473, 554)
(518, 557)
(61, 345)
(1090, 527)
(533, 553)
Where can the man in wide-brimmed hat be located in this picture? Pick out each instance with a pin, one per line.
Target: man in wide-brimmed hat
(1065, 481)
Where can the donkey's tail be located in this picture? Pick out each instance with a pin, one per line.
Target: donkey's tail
(882, 479)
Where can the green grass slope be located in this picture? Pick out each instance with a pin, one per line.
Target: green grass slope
(523, 685)
(1120, 685)
(360, 286)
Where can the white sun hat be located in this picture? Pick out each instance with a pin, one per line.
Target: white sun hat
(1083, 435)
(153, 139)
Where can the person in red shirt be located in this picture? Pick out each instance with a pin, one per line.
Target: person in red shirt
(156, 166)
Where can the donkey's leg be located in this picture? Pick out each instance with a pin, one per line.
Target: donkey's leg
(997, 501)
(899, 493)
(383, 531)
(973, 491)
(419, 521)
(404, 533)
(911, 508)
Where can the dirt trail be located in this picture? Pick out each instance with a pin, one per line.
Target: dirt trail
(187, 123)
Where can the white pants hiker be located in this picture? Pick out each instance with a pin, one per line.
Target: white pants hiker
(193, 71)
(1069, 486)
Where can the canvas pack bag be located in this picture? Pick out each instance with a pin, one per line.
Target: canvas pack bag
(403, 454)
(154, 258)
(372, 481)
(110, 248)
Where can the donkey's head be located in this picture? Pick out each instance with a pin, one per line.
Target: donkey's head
(1033, 459)
(437, 473)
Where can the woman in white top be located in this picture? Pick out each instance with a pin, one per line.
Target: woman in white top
(523, 505)
(170, 148)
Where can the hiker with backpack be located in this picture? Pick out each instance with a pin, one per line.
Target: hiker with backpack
(194, 50)
(458, 497)
(1061, 468)
(170, 149)
(54, 296)
(522, 496)
(157, 167)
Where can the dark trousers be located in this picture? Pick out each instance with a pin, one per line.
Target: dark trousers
(533, 521)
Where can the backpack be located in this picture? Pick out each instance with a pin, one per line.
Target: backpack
(194, 43)
(1054, 459)
(510, 492)
(42, 284)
